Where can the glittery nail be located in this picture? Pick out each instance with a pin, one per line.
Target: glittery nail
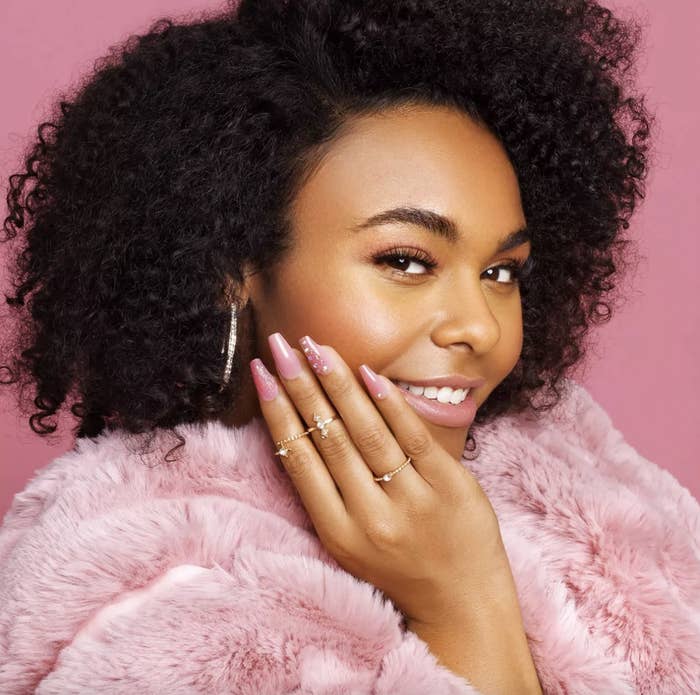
(263, 380)
(318, 357)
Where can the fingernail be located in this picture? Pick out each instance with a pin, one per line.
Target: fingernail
(263, 380)
(375, 385)
(318, 357)
(286, 361)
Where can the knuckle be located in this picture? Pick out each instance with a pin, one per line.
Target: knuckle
(296, 464)
(341, 386)
(340, 546)
(418, 444)
(306, 396)
(372, 440)
(336, 446)
(381, 533)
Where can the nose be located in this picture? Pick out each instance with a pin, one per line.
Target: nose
(465, 319)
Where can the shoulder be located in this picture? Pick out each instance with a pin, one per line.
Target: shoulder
(579, 436)
(604, 549)
(196, 575)
(107, 519)
(118, 495)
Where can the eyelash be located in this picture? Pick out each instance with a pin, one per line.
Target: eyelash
(517, 267)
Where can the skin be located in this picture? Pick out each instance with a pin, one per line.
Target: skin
(455, 318)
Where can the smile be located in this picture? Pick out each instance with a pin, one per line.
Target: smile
(443, 394)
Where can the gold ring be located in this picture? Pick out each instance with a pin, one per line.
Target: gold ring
(283, 450)
(321, 425)
(388, 476)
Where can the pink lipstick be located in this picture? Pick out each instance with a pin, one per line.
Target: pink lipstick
(444, 414)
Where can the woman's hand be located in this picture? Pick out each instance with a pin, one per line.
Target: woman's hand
(429, 538)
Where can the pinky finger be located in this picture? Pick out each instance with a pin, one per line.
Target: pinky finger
(409, 429)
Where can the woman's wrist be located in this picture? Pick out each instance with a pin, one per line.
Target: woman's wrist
(495, 660)
(485, 643)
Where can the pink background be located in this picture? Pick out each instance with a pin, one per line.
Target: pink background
(644, 369)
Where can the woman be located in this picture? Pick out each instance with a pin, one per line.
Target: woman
(312, 276)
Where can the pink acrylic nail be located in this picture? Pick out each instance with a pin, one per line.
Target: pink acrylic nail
(286, 361)
(319, 358)
(263, 380)
(376, 385)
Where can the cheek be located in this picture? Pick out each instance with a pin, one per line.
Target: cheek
(511, 342)
(361, 326)
(338, 309)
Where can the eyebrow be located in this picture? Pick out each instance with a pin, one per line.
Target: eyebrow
(437, 224)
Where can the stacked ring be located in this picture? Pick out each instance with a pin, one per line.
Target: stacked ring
(321, 425)
(282, 450)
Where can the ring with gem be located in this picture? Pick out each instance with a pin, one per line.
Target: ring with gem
(283, 450)
(388, 476)
(322, 425)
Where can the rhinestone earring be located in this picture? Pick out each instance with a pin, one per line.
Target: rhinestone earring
(231, 348)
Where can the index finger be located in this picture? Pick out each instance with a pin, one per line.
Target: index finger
(303, 463)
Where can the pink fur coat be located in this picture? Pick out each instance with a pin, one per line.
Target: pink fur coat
(204, 575)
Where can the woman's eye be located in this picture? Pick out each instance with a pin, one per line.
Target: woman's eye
(513, 271)
(407, 263)
(498, 272)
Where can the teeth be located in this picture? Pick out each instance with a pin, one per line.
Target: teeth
(456, 396)
(444, 394)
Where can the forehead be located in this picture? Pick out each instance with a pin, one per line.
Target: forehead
(431, 157)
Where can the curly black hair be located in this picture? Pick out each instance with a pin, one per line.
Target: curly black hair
(177, 159)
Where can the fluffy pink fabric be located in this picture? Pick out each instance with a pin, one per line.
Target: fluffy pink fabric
(204, 575)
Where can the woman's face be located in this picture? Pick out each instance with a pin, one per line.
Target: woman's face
(452, 310)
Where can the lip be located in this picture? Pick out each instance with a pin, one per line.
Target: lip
(443, 414)
(455, 380)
